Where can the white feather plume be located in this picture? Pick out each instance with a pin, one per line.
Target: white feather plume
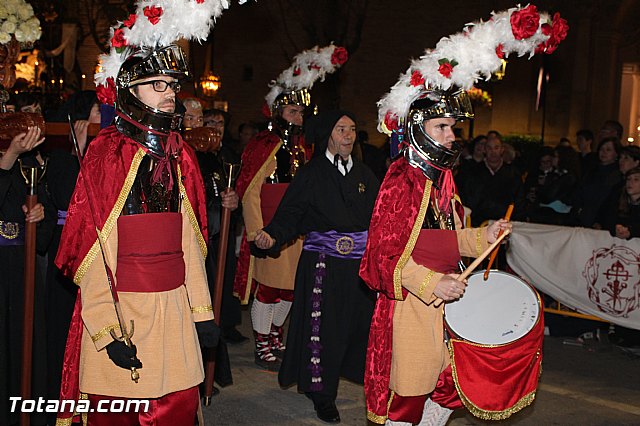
(179, 19)
(474, 50)
(308, 66)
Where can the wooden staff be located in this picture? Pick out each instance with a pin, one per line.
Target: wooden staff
(225, 220)
(477, 262)
(494, 254)
(31, 177)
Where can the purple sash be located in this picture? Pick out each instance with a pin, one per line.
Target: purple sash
(62, 217)
(347, 245)
(11, 234)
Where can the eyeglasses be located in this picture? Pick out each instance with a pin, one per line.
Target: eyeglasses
(161, 85)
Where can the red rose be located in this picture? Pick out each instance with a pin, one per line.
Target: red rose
(153, 13)
(107, 94)
(546, 29)
(556, 32)
(500, 51)
(391, 121)
(314, 67)
(130, 21)
(266, 111)
(118, 39)
(417, 79)
(296, 71)
(199, 1)
(339, 56)
(525, 22)
(445, 69)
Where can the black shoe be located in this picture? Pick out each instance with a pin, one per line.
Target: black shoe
(267, 365)
(327, 412)
(233, 336)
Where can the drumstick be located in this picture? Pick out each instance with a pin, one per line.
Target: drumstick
(477, 262)
(507, 216)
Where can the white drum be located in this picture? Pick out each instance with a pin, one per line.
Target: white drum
(498, 311)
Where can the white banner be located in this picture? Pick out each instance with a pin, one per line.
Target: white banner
(585, 269)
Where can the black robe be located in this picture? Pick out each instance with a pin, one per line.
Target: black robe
(13, 192)
(321, 199)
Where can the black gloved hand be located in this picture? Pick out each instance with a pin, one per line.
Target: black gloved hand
(208, 333)
(122, 355)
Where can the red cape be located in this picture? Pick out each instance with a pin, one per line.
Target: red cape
(397, 218)
(104, 170)
(255, 155)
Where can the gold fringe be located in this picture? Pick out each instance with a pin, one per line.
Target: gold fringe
(247, 291)
(487, 414)
(201, 309)
(105, 331)
(112, 218)
(255, 179)
(479, 241)
(192, 216)
(415, 232)
(424, 283)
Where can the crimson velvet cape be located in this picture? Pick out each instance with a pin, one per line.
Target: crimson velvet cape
(105, 167)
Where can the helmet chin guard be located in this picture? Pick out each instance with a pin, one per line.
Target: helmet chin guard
(425, 152)
(169, 61)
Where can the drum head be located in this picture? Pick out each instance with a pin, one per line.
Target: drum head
(494, 312)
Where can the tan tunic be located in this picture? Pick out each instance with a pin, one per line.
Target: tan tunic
(277, 272)
(419, 353)
(164, 335)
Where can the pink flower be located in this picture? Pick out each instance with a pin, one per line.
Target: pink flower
(339, 56)
(525, 22)
(153, 13)
(417, 79)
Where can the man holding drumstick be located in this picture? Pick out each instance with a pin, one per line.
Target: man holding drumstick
(415, 238)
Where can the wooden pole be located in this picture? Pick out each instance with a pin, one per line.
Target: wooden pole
(231, 171)
(210, 364)
(29, 289)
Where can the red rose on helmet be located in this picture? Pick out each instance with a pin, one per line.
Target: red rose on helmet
(153, 13)
(391, 121)
(525, 22)
(417, 79)
(118, 39)
(500, 51)
(106, 94)
(199, 1)
(130, 20)
(339, 56)
(556, 32)
(296, 71)
(446, 66)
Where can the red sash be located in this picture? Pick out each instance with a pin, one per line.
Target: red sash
(270, 196)
(150, 257)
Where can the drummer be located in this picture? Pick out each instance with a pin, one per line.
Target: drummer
(412, 258)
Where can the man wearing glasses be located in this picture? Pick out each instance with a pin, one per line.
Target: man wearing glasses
(140, 185)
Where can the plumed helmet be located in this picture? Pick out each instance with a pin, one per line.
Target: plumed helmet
(144, 63)
(435, 104)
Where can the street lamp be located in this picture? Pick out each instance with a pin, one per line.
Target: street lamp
(209, 84)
